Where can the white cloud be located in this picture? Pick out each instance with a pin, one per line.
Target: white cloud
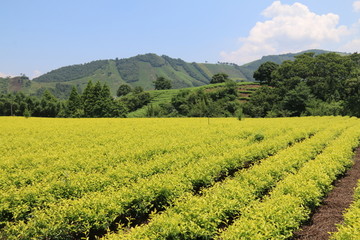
(290, 28)
(356, 6)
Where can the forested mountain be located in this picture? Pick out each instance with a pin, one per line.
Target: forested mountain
(141, 70)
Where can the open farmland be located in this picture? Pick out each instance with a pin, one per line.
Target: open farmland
(193, 178)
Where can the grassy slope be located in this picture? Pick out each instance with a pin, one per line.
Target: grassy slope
(234, 73)
(109, 75)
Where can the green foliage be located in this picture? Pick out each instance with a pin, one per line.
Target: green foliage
(219, 78)
(134, 101)
(142, 70)
(220, 102)
(263, 73)
(98, 102)
(295, 100)
(324, 84)
(316, 107)
(262, 101)
(123, 90)
(239, 114)
(350, 227)
(293, 199)
(132, 185)
(49, 105)
(74, 104)
(259, 137)
(27, 113)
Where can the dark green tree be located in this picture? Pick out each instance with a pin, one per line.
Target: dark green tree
(107, 103)
(88, 99)
(49, 105)
(123, 90)
(97, 108)
(295, 100)
(162, 83)
(352, 99)
(262, 101)
(263, 73)
(74, 104)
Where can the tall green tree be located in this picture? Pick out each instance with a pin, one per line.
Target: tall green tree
(107, 102)
(88, 99)
(74, 104)
(49, 105)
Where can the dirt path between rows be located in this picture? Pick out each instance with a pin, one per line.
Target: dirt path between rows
(331, 211)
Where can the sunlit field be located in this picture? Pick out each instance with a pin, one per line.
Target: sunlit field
(183, 178)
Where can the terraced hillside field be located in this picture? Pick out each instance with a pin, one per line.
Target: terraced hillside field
(170, 178)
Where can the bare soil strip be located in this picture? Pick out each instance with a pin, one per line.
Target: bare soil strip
(331, 211)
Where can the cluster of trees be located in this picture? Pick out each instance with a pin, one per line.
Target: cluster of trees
(217, 102)
(95, 101)
(133, 98)
(325, 84)
(18, 104)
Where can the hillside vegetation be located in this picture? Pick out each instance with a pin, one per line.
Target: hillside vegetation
(141, 70)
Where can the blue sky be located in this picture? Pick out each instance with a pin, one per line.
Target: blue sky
(38, 36)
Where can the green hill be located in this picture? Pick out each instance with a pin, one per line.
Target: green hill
(140, 70)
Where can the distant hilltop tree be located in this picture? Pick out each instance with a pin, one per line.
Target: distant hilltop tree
(219, 78)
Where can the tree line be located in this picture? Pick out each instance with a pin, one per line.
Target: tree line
(95, 102)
